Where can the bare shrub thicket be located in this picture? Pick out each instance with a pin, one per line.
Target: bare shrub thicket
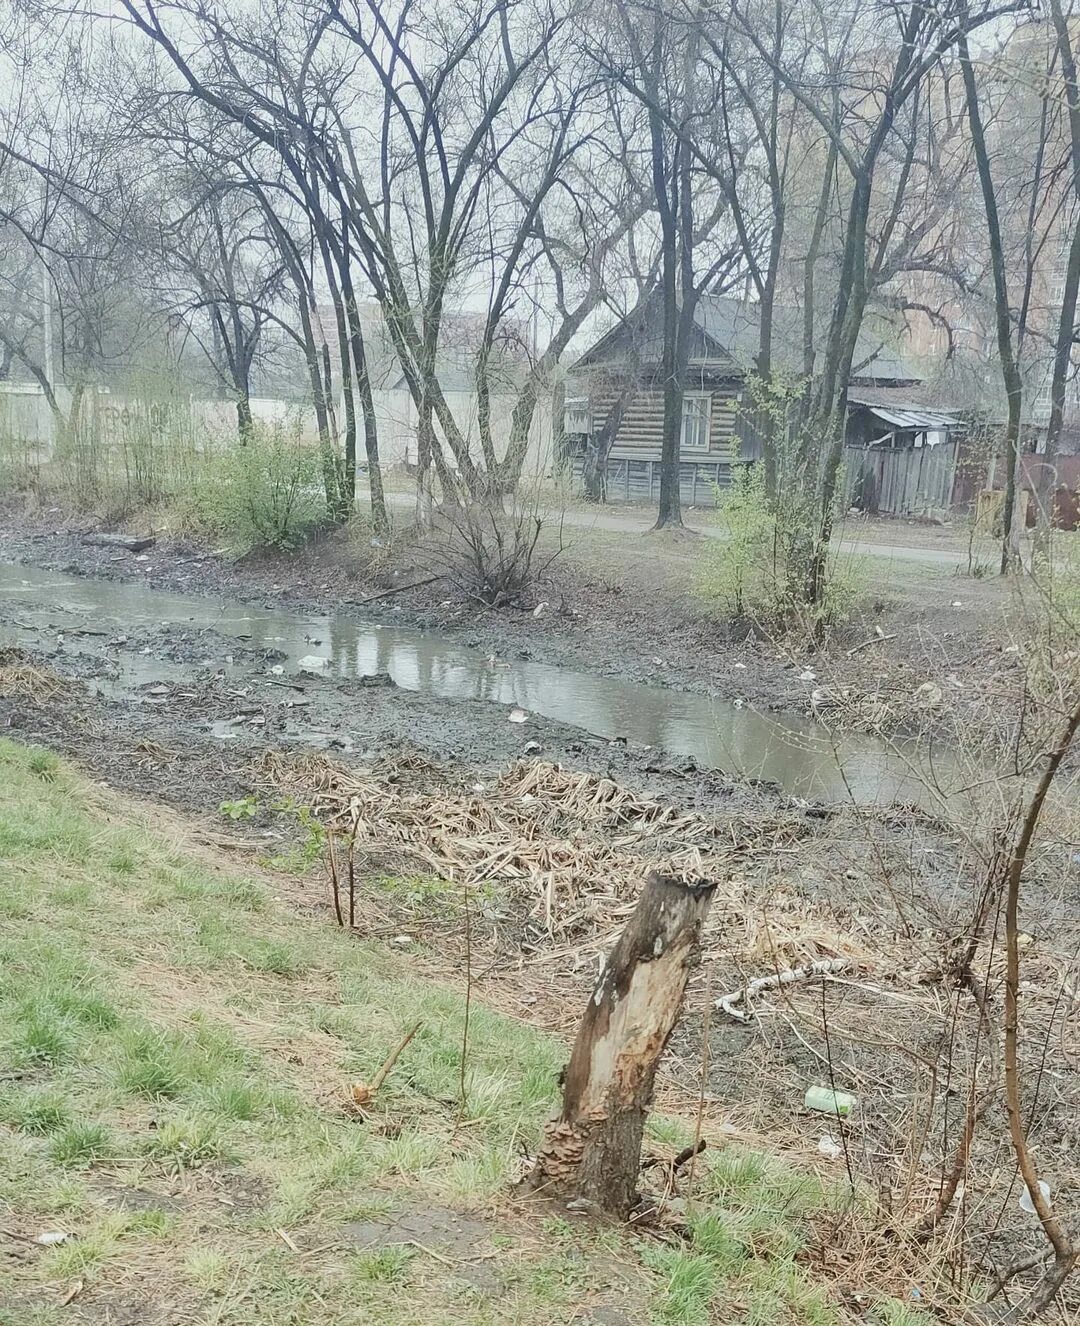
(959, 1035)
(496, 557)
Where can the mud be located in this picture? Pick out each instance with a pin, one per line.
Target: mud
(310, 679)
(191, 741)
(639, 622)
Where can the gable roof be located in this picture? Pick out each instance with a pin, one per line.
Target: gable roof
(728, 331)
(643, 333)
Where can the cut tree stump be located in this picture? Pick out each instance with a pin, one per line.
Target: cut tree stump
(592, 1148)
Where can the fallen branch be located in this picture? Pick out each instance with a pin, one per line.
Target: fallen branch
(873, 640)
(675, 1163)
(400, 589)
(128, 542)
(823, 968)
(363, 1093)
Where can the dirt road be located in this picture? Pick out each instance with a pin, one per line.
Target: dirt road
(947, 553)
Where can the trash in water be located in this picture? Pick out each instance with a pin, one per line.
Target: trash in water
(313, 663)
(517, 716)
(826, 1101)
(1026, 1204)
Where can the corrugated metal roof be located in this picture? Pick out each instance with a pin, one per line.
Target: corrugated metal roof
(913, 417)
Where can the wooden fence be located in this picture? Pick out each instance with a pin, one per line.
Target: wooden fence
(915, 481)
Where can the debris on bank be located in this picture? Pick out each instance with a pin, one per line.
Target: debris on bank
(573, 848)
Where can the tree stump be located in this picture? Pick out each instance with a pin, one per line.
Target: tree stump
(592, 1148)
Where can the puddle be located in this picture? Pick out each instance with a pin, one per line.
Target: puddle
(797, 753)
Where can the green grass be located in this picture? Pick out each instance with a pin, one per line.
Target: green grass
(167, 1027)
(79, 1144)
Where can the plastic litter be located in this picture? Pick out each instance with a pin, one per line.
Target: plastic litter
(1026, 1204)
(826, 1101)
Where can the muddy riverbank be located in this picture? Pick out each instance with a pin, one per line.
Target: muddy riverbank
(931, 662)
(252, 718)
(216, 661)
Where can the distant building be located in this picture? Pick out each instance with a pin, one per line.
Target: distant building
(901, 447)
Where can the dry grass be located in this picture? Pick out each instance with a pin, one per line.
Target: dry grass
(572, 848)
(178, 1048)
(554, 860)
(22, 680)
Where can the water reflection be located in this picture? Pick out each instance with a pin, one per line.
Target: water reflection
(796, 753)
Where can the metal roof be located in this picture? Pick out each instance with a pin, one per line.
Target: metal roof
(912, 418)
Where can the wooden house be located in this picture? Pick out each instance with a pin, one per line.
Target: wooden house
(614, 403)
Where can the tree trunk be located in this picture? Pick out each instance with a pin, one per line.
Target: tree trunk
(1010, 369)
(245, 424)
(318, 396)
(592, 1149)
(380, 521)
(594, 470)
(1045, 483)
(665, 176)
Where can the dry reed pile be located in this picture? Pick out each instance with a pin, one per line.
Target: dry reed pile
(22, 680)
(574, 847)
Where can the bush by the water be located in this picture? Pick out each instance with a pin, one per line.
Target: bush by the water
(262, 495)
(755, 571)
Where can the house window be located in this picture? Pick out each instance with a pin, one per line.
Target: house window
(577, 418)
(696, 413)
(1057, 284)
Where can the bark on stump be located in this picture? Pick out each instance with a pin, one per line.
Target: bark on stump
(592, 1149)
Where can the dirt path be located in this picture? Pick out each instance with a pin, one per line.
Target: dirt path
(945, 551)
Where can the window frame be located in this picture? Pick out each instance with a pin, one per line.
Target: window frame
(696, 450)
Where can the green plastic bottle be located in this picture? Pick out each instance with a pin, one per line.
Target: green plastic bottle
(826, 1101)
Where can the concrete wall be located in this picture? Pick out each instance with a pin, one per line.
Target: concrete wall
(25, 420)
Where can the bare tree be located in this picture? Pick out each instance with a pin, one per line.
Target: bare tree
(1010, 367)
(1066, 333)
(220, 244)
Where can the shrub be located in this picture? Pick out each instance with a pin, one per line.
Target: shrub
(262, 495)
(757, 569)
(740, 570)
(494, 556)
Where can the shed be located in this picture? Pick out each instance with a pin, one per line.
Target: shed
(900, 454)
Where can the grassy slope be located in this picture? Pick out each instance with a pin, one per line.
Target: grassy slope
(175, 1050)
